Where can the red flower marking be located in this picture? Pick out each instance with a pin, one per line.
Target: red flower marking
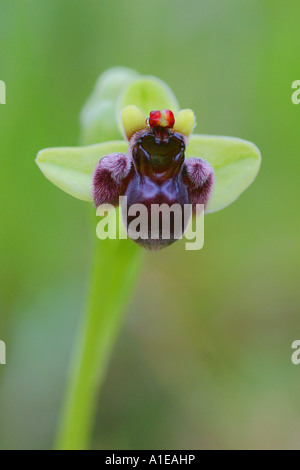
(164, 118)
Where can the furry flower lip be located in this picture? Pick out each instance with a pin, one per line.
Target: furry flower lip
(154, 170)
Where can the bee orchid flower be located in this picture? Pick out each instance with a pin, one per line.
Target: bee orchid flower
(158, 161)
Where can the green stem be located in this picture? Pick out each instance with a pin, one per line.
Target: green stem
(116, 265)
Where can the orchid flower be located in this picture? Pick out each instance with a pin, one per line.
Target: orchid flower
(158, 160)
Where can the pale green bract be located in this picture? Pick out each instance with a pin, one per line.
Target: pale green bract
(236, 162)
(100, 118)
(98, 121)
(71, 168)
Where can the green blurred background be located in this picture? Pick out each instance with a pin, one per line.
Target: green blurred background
(204, 358)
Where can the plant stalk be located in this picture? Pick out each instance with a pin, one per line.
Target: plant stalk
(116, 266)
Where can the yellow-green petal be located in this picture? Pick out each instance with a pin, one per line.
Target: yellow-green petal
(185, 122)
(236, 163)
(71, 168)
(148, 94)
(133, 120)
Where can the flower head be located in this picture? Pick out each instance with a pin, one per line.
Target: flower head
(158, 162)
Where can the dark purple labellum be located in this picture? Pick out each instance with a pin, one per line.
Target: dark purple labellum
(158, 156)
